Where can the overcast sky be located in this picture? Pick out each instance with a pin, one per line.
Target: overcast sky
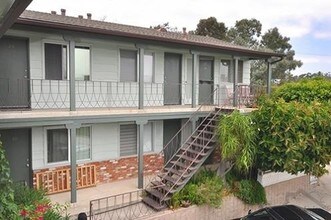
(306, 22)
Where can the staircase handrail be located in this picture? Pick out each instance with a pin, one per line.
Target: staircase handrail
(199, 134)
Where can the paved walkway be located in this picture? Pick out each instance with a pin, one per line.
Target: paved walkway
(318, 196)
(84, 196)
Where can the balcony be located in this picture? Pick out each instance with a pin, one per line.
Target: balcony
(36, 98)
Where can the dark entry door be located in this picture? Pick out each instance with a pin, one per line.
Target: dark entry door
(170, 128)
(206, 80)
(172, 79)
(14, 73)
(16, 143)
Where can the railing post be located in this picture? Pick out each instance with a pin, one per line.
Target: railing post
(72, 75)
(235, 79)
(73, 162)
(141, 52)
(269, 77)
(195, 63)
(141, 153)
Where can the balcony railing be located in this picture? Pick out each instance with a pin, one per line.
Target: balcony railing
(40, 94)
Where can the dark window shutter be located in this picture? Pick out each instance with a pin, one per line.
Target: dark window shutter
(128, 66)
(128, 140)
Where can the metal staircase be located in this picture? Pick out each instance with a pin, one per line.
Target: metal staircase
(184, 163)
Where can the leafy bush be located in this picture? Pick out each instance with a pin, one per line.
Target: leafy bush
(307, 90)
(236, 138)
(205, 188)
(251, 192)
(293, 137)
(8, 209)
(34, 204)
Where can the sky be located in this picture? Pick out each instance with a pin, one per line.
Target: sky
(306, 22)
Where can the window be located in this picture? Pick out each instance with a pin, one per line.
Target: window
(148, 67)
(83, 143)
(58, 144)
(55, 61)
(148, 137)
(82, 63)
(128, 140)
(226, 75)
(128, 66)
(226, 71)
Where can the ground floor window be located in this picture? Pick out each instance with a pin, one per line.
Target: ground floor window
(128, 139)
(58, 144)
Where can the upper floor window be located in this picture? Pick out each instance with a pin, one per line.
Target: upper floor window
(55, 61)
(227, 73)
(148, 67)
(82, 63)
(128, 66)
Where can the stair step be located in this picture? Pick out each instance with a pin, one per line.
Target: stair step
(204, 131)
(170, 179)
(177, 172)
(157, 194)
(163, 186)
(177, 163)
(154, 204)
(204, 139)
(207, 147)
(188, 158)
(190, 150)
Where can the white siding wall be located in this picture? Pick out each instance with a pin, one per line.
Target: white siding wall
(105, 143)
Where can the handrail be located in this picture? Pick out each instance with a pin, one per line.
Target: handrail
(193, 115)
(199, 134)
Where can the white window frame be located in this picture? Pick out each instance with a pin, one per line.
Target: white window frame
(64, 43)
(90, 48)
(149, 53)
(119, 64)
(69, 147)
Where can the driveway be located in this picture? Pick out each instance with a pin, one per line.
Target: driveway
(319, 194)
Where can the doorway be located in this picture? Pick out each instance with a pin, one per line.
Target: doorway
(206, 80)
(172, 79)
(16, 143)
(14, 84)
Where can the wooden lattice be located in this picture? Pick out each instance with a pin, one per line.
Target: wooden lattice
(55, 181)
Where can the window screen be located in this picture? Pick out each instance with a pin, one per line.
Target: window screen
(83, 143)
(240, 71)
(128, 140)
(148, 67)
(148, 137)
(128, 66)
(82, 63)
(57, 145)
(55, 61)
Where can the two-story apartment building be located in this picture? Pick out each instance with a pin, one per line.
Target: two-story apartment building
(102, 99)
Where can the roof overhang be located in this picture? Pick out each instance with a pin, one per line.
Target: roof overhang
(68, 27)
(9, 12)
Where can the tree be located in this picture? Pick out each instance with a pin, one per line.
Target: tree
(293, 128)
(236, 137)
(309, 75)
(212, 28)
(245, 32)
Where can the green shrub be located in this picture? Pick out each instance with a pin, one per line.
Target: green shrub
(307, 90)
(34, 204)
(8, 209)
(251, 192)
(293, 137)
(204, 188)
